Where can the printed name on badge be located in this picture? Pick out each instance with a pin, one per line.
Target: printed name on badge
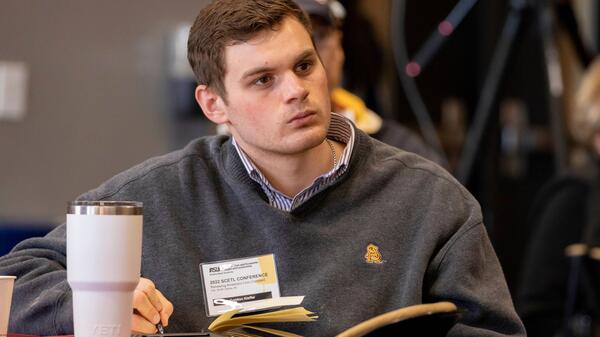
(233, 283)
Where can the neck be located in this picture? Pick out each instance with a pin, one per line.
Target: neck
(290, 174)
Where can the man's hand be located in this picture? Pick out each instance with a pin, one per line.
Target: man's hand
(150, 307)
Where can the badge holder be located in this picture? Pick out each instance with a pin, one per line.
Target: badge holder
(239, 284)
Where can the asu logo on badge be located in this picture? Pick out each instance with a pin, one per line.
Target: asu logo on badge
(373, 255)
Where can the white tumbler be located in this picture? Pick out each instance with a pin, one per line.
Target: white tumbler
(104, 247)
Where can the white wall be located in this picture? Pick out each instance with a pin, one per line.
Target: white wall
(96, 97)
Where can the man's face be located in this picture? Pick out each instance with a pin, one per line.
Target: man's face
(277, 97)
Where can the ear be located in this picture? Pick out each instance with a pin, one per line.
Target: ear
(211, 103)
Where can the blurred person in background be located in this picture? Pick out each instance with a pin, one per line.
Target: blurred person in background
(558, 284)
(326, 18)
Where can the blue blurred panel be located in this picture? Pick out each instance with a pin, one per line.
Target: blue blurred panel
(13, 233)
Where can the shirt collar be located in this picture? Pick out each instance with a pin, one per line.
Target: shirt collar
(340, 130)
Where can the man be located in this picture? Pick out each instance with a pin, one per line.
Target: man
(326, 18)
(294, 181)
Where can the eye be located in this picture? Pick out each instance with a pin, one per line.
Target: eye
(263, 80)
(304, 67)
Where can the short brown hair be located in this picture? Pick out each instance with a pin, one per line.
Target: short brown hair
(224, 22)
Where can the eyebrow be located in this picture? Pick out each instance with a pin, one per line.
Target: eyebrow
(304, 55)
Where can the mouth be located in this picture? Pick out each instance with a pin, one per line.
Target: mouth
(302, 117)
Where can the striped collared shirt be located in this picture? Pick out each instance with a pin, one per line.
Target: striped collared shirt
(340, 130)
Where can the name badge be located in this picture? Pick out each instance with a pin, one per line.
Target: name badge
(230, 283)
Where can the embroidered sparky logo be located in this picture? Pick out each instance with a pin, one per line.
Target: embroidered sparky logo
(373, 255)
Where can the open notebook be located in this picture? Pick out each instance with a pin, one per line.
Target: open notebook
(242, 319)
(433, 320)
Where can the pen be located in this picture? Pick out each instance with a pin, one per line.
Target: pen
(160, 328)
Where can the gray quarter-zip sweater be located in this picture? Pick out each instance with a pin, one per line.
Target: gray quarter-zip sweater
(201, 206)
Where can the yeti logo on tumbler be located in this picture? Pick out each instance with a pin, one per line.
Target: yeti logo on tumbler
(107, 330)
(104, 251)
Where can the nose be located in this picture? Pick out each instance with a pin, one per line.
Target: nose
(294, 88)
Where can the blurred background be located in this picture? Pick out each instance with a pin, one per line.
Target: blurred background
(90, 88)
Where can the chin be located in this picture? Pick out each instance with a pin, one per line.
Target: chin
(307, 140)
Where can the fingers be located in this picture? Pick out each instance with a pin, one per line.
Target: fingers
(149, 289)
(142, 303)
(167, 310)
(140, 325)
(150, 307)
